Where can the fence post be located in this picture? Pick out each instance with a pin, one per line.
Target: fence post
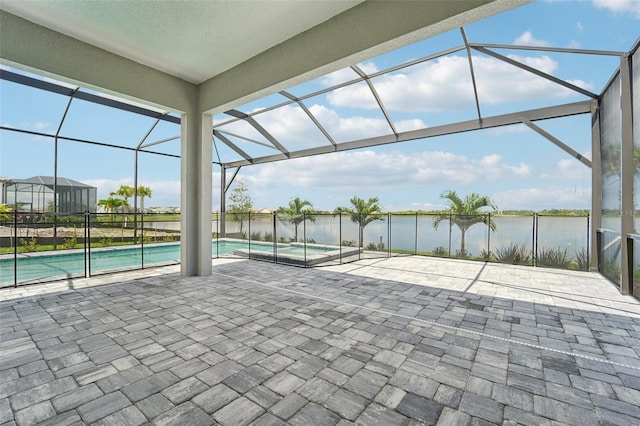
(415, 251)
(588, 238)
(534, 242)
(248, 232)
(15, 248)
(450, 229)
(630, 262)
(388, 234)
(86, 237)
(304, 236)
(218, 235)
(142, 238)
(275, 238)
(88, 252)
(340, 234)
(488, 237)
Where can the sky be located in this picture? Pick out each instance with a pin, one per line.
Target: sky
(516, 167)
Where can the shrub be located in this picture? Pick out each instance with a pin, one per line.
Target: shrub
(268, 236)
(349, 243)
(463, 254)
(553, 258)
(375, 247)
(106, 241)
(311, 241)
(514, 254)
(70, 243)
(441, 251)
(487, 255)
(256, 236)
(30, 244)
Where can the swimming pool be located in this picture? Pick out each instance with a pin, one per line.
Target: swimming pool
(41, 266)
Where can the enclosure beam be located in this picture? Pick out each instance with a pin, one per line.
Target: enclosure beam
(196, 193)
(566, 148)
(566, 110)
(628, 172)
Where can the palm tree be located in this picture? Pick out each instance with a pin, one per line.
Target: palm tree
(5, 216)
(466, 213)
(111, 204)
(5, 211)
(143, 191)
(298, 211)
(363, 213)
(126, 192)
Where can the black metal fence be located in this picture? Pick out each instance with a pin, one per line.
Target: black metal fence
(534, 240)
(44, 247)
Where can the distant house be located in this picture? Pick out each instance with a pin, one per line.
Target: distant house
(267, 210)
(36, 194)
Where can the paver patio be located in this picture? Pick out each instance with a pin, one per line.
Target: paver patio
(400, 341)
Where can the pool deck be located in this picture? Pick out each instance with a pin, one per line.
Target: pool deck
(400, 341)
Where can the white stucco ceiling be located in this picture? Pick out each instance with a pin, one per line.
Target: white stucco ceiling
(193, 40)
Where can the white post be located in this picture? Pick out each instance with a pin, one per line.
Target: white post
(196, 194)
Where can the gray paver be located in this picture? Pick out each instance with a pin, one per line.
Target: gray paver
(419, 408)
(154, 405)
(76, 397)
(215, 398)
(182, 351)
(184, 390)
(478, 406)
(313, 414)
(240, 412)
(103, 406)
(284, 383)
(346, 404)
(288, 406)
(149, 385)
(129, 416)
(184, 414)
(35, 413)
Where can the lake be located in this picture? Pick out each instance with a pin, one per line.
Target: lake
(417, 232)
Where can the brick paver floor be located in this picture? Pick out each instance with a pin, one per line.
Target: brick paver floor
(398, 341)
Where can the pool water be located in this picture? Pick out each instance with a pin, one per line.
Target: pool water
(33, 267)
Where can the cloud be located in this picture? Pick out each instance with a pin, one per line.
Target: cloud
(619, 6)
(503, 130)
(527, 39)
(351, 171)
(567, 169)
(553, 197)
(579, 28)
(445, 84)
(574, 45)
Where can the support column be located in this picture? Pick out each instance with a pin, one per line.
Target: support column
(196, 194)
(596, 185)
(628, 169)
